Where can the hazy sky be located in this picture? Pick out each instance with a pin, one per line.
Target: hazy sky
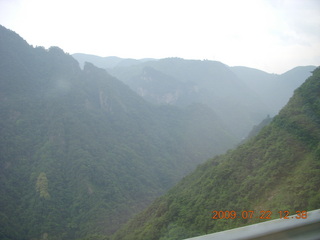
(273, 36)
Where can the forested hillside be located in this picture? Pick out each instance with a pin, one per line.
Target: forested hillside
(80, 151)
(241, 96)
(277, 170)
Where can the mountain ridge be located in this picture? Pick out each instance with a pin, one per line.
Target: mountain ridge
(244, 94)
(274, 89)
(80, 151)
(107, 62)
(276, 170)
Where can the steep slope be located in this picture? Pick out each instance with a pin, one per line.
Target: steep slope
(80, 151)
(160, 88)
(278, 170)
(289, 81)
(241, 96)
(181, 82)
(274, 89)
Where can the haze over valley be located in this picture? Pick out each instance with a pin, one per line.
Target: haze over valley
(85, 149)
(241, 96)
(138, 120)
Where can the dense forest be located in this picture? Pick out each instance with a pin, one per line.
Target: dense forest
(82, 152)
(276, 170)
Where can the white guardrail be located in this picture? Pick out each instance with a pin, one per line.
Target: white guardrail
(284, 229)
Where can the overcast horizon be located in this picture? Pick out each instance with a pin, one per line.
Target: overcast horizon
(274, 36)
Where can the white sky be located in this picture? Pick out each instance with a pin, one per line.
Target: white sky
(271, 35)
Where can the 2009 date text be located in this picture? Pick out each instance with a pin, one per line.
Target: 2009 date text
(261, 214)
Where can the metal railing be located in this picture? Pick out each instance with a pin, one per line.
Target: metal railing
(284, 229)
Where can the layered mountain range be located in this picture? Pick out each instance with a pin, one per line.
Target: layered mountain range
(241, 96)
(86, 148)
(80, 151)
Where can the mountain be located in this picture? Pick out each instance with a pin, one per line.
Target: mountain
(277, 170)
(107, 62)
(181, 82)
(241, 96)
(274, 90)
(80, 151)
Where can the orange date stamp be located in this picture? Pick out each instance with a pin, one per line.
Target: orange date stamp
(261, 214)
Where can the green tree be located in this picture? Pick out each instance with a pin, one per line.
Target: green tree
(42, 186)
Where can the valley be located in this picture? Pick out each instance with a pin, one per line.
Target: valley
(95, 148)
